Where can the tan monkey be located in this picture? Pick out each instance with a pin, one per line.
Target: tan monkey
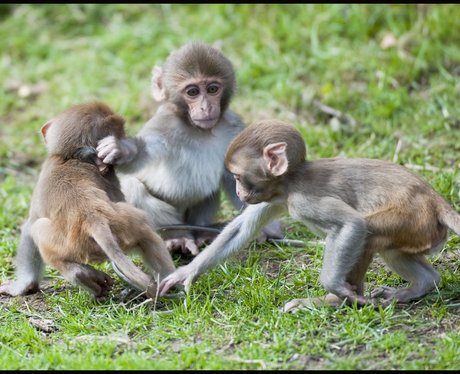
(362, 206)
(77, 214)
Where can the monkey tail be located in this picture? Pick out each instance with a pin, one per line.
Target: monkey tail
(450, 218)
(103, 236)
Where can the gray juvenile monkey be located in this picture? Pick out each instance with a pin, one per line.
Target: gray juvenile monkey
(174, 168)
(77, 214)
(363, 206)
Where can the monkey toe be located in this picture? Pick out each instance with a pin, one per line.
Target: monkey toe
(390, 295)
(173, 245)
(185, 245)
(383, 292)
(190, 246)
(201, 240)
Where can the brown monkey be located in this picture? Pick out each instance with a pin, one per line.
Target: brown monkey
(174, 168)
(77, 214)
(363, 206)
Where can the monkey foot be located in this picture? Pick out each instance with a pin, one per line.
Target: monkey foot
(14, 288)
(271, 231)
(185, 245)
(390, 294)
(96, 281)
(205, 238)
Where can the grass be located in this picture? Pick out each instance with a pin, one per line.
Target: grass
(398, 103)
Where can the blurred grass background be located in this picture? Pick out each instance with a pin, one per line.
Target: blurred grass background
(358, 80)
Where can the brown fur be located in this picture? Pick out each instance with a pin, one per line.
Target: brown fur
(77, 215)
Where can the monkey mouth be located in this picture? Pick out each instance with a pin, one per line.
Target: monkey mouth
(205, 123)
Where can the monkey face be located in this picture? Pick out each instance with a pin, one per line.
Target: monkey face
(203, 99)
(253, 185)
(252, 189)
(249, 192)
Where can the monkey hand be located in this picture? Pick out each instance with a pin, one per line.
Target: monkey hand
(115, 151)
(184, 275)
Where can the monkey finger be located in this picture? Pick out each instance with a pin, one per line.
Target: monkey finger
(188, 283)
(191, 247)
(106, 148)
(105, 145)
(173, 244)
(111, 157)
(383, 292)
(166, 284)
(107, 141)
(181, 276)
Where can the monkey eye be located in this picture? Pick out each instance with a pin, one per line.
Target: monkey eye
(212, 88)
(192, 91)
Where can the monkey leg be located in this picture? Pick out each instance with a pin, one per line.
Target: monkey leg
(413, 268)
(48, 241)
(345, 253)
(159, 213)
(355, 279)
(356, 276)
(29, 266)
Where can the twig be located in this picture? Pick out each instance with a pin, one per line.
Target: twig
(334, 112)
(397, 150)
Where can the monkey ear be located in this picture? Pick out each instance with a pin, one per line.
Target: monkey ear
(45, 128)
(158, 91)
(275, 158)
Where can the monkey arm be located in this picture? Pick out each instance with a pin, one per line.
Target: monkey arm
(130, 154)
(235, 236)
